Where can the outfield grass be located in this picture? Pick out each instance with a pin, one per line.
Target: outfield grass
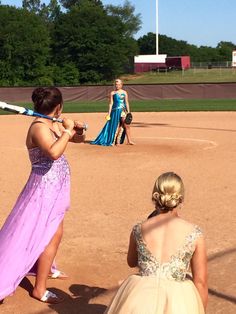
(152, 105)
(195, 75)
(159, 105)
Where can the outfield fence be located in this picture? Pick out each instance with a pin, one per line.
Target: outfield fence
(135, 91)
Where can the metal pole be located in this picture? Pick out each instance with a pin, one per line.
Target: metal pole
(157, 31)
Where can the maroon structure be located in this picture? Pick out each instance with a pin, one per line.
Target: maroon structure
(167, 64)
(180, 63)
(146, 67)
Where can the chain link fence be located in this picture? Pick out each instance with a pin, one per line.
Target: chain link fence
(211, 65)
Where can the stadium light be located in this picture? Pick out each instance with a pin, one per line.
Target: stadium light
(157, 31)
(145, 63)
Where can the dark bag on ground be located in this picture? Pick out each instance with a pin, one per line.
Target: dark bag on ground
(128, 118)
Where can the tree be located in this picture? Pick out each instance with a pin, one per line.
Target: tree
(130, 21)
(48, 12)
(147, 44)
(225, 49)
(65, 75)
(32, 5)
(68, 4)
(24, 48)
(173, 47)
(93, 41)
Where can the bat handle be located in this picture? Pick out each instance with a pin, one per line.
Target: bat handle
(57, 120)
(85, 125)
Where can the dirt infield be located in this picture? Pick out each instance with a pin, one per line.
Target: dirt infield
(111, 191)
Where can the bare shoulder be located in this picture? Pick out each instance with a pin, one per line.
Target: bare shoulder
(146, 222)
(186, 225)
(185, 222)
(37, 130)
(38, 125)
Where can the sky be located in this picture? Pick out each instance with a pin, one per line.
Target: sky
(199, 22)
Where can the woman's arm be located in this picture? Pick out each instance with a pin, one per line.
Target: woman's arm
(199, 270)
(127, 102)
(110, 103)
(79, 132)
(132, 256)
(42, 138)
(78, 138)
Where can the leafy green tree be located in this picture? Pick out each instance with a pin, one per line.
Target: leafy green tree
(68, 4)
(147, 44)
(130, 21)
(49, 12)
(93, 41)
(225, 49)
(24, 48)
(32, 5)
(65, 75)
(173, 47)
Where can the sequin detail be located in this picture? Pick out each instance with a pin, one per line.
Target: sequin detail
(42, 164)
(178, 266)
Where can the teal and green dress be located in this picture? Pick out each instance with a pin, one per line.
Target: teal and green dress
(109, 134)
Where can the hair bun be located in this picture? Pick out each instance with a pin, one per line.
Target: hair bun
(46, 99)
(168, 200)
(168, 191)
(38, 95)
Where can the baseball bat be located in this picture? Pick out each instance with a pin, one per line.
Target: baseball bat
(32, 113)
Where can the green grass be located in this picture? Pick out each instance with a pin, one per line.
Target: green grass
(152, 105)
(196, 75)
(159, 105)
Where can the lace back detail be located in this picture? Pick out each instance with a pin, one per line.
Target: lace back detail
(178, 265)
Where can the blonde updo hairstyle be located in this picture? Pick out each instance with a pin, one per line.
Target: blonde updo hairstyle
(168, 192)
(118, 81)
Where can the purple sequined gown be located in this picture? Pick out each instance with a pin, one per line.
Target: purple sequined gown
(34, 219)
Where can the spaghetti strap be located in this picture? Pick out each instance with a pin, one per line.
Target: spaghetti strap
(55, 135)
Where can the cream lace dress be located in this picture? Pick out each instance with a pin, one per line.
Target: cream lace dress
(159, 288)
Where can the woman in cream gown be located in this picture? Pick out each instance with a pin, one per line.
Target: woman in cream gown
(164, 247)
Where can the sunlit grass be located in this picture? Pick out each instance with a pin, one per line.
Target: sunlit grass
(151, 105)
(195, 75)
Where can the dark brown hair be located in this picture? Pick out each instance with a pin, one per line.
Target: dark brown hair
(46, 99)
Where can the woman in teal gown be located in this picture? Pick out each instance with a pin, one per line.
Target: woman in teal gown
(115, 129)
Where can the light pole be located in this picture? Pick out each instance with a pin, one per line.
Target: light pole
(157, 20)
(144, 63)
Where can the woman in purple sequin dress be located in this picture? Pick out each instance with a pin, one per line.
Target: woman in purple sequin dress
(32, 232)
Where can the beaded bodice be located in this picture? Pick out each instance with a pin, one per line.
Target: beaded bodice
(178, 265)
(42, 164)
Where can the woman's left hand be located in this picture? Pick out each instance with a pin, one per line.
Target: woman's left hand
(80, 127)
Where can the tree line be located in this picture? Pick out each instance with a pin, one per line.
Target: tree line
(72, 42)
(173, 47)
